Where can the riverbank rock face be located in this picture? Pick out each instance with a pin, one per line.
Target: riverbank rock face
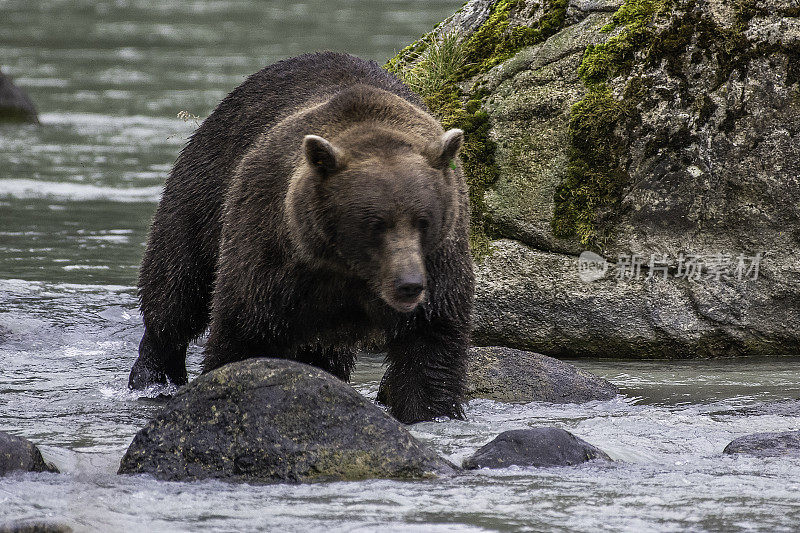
(534, 447)
(21, 455)
(15, 105)
(265, 420)
(766, 444)
(516, 376)
(661, 135)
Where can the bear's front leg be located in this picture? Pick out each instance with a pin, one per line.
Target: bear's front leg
(426, 377)
(158, 362)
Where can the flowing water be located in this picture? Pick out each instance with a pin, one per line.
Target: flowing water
(76, 196)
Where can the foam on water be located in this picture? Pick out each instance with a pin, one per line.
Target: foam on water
(69, 348)
(24, 189)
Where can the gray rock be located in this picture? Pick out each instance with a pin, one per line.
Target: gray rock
(536, 300)
(534, 447)
(516, 376)
(766, 444)
(267, 420)
(21, 455)
(466, 19)
(15, 105)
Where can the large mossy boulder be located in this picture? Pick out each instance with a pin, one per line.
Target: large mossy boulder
(663, 130)
(15, 105)
(21, 455)
(269, 420)
(516, 376)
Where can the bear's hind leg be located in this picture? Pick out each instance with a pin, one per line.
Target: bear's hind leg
(174, 290)
(335, 360)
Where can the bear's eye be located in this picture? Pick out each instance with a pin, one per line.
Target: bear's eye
(422, 224)
(377, 225)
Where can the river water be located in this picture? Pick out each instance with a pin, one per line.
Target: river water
(76, 197)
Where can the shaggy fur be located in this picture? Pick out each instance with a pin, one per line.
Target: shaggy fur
(319, 210)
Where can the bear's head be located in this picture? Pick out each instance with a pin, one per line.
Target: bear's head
(375, 203)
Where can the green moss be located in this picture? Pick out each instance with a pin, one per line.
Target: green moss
(594, 176)
(407, 54)
(494, 42)
(603, 61)
(595, 179)
(420, 65)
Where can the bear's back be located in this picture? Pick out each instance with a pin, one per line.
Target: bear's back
(278, 90)
(192, 200)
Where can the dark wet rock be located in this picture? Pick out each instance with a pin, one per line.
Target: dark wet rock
(516, 376)
(766, 444)
(534, 447)
(265, 420)
(18, 454)
(686, 143)
(34, 526)
(15, 105)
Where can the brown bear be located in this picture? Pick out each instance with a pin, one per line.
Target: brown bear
(318, 211)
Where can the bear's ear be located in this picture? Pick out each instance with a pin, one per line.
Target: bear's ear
(441, 152)
(322, 155)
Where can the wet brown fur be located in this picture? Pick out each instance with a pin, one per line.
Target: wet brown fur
(283, 228)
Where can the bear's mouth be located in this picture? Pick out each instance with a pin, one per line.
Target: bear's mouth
(404, 305)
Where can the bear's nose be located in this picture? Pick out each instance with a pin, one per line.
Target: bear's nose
(409, 289)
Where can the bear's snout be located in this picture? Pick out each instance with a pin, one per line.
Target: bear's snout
(403, 285)
(409, 288)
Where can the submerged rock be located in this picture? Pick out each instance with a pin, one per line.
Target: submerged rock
(15, 105)
(641, 130)
(534, 447)
(18, 454)
(516, 376)
(766, 444)
(267, 420)
(33, 526)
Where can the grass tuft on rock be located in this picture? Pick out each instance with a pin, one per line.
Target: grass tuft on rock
(436, 66)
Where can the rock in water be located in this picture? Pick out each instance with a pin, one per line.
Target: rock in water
(18, 454)
(15, 105)
(534, 447)
(516, 376)
(267, 420)
(28, 526)
(640, 130)
(766, 444)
